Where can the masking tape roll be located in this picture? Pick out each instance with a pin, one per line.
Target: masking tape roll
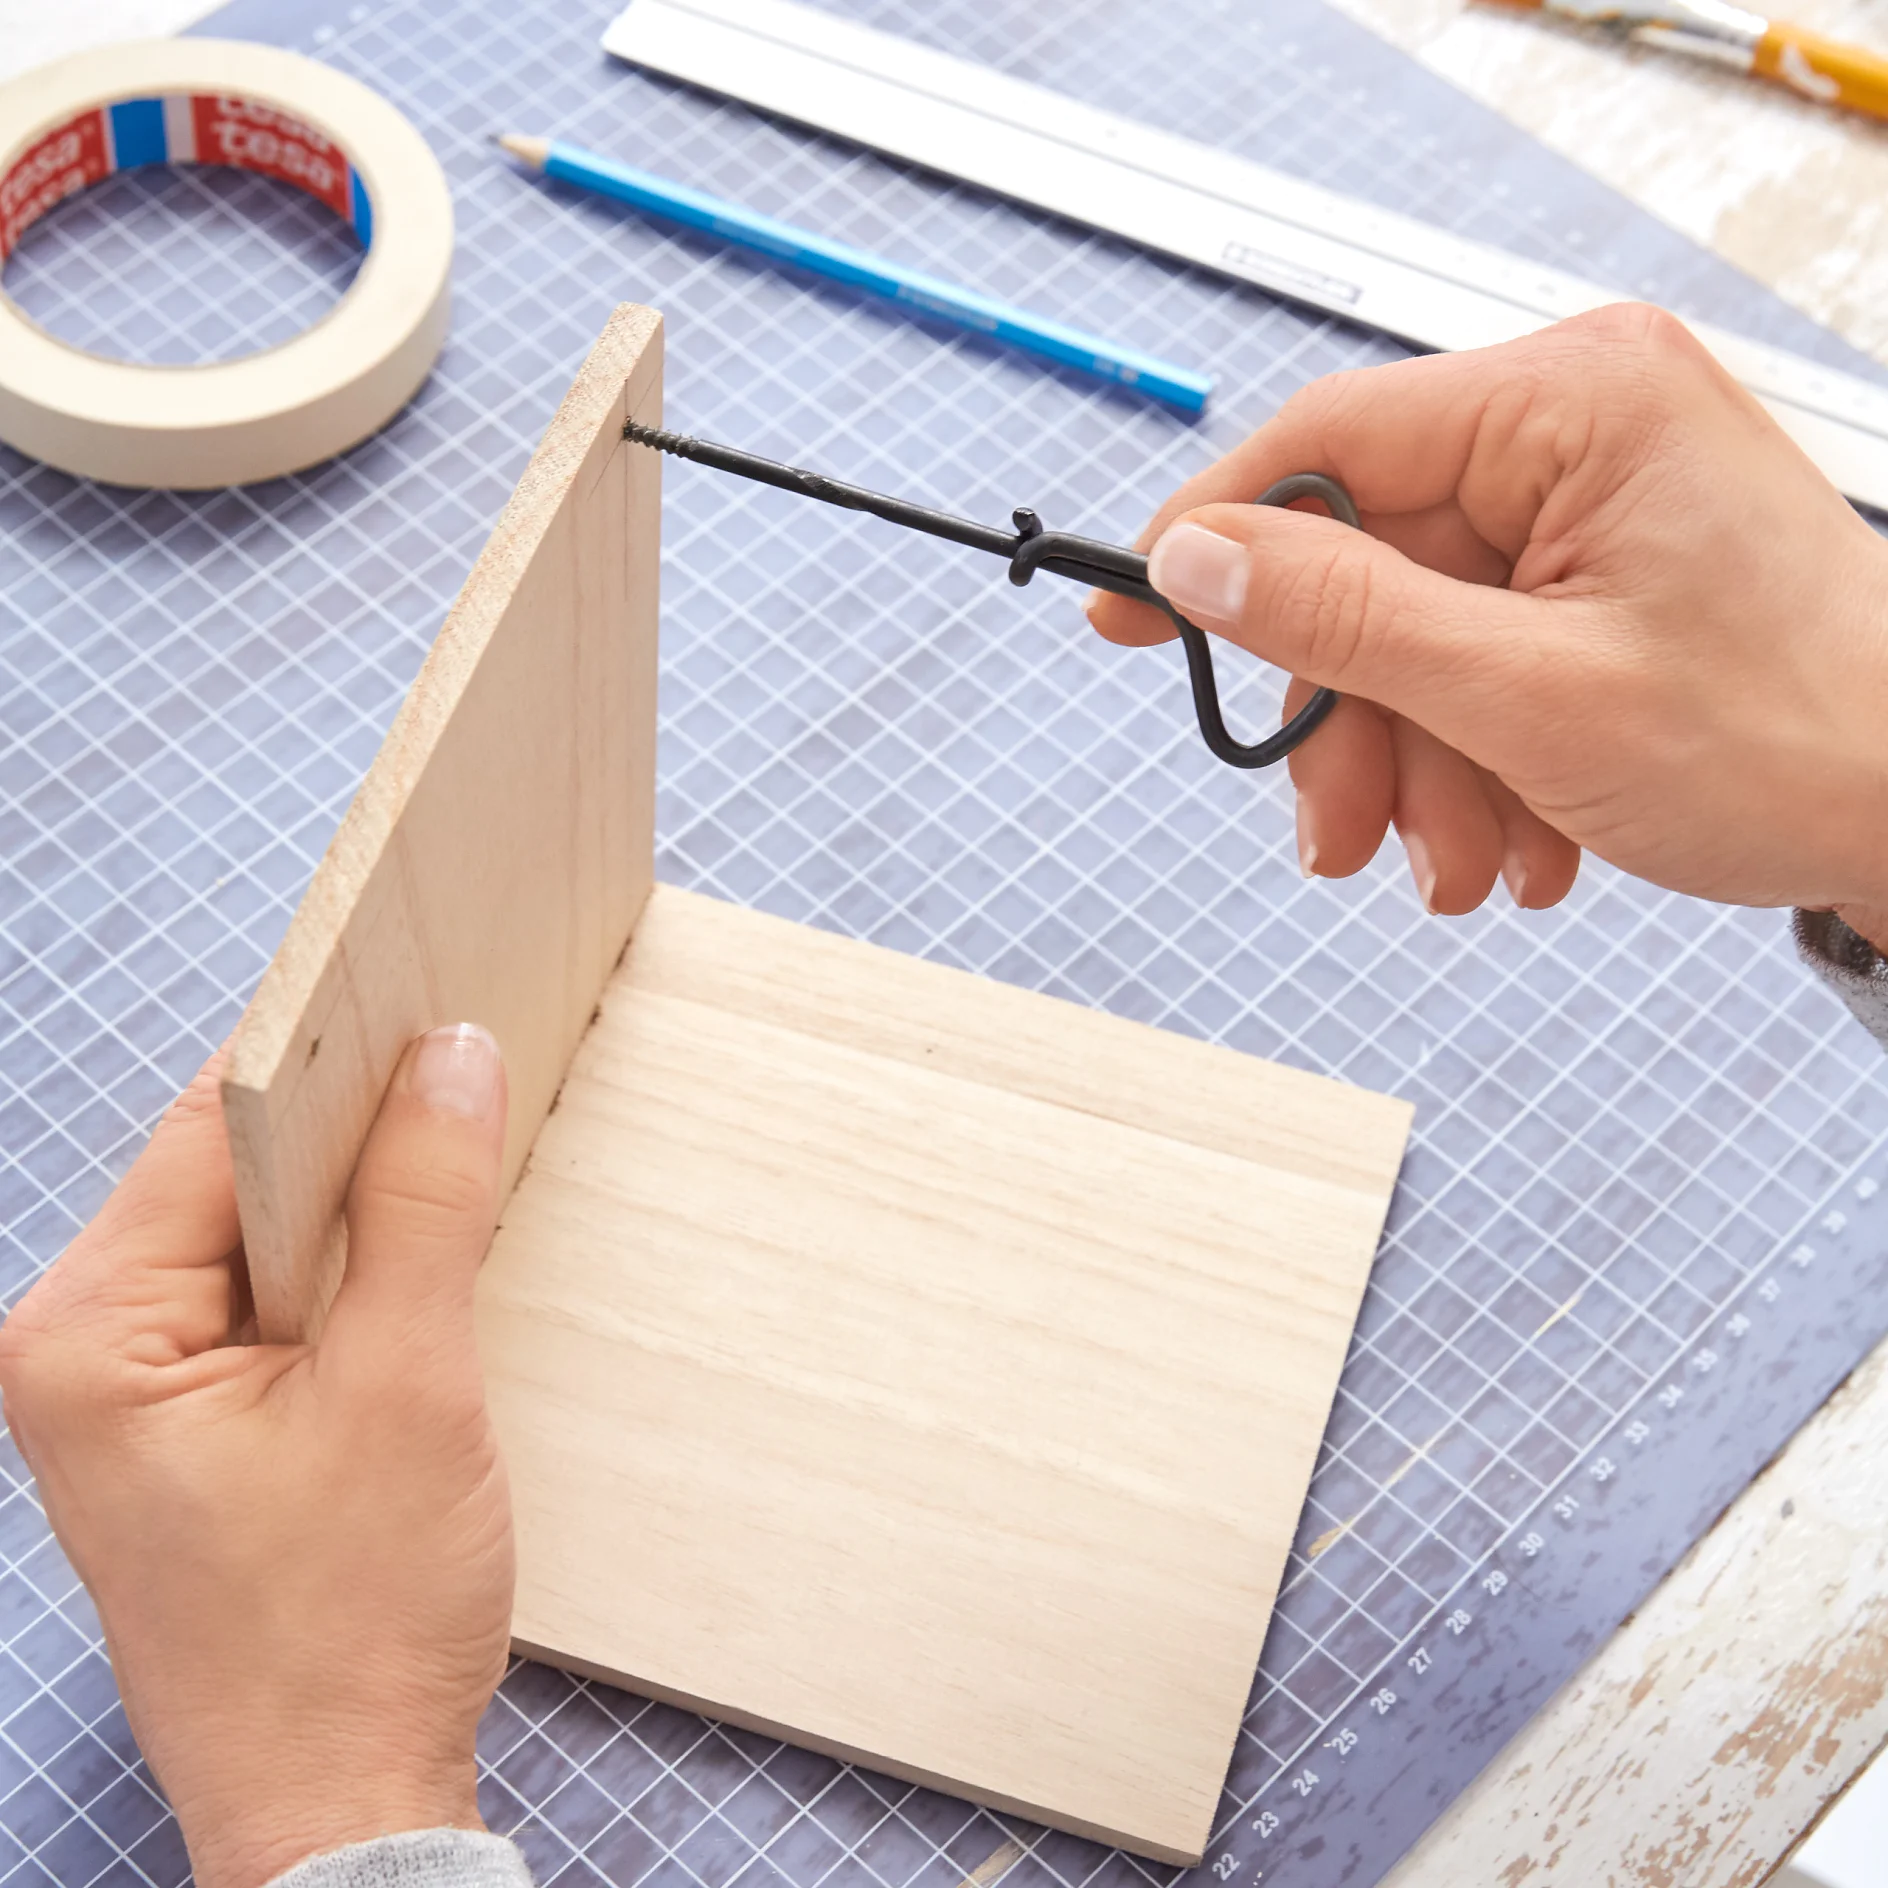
(212, 101)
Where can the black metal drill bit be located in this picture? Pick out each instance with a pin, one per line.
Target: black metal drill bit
(1028, 547)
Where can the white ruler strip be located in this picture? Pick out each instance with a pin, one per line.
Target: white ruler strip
(1169, 193)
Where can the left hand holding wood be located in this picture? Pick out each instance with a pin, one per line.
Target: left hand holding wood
(301, 1554)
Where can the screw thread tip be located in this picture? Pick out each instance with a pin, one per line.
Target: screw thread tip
(677, 443)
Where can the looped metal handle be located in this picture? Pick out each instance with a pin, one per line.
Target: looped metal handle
(1193, 639)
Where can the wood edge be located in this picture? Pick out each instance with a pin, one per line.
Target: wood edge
(1384, 1120)
(263, 1034)
(1264, 1615)
(870, 1760)
(246, 1128)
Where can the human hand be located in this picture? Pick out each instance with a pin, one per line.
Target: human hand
(302, 1555)
(1604, 603)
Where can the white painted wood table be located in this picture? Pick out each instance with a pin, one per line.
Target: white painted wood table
(1715, 1728)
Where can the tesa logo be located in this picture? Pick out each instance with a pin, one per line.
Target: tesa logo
(256, 137)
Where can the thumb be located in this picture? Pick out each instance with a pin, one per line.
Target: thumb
(1339, 608)
(423, 1202)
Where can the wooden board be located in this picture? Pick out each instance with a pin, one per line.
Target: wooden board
(922, 1369)
(496, 856)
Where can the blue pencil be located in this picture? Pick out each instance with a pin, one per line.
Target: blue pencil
(927, 294)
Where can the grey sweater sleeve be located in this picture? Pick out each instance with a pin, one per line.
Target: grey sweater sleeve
(421, 1858)
(1850, 963)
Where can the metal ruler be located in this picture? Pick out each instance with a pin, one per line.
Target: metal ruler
(1331, 251)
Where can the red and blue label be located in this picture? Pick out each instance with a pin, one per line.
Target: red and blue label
(187, 130)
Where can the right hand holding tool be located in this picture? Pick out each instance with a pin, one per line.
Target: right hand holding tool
(1603, 603)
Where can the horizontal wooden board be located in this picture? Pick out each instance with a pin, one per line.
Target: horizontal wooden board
(924, 1369)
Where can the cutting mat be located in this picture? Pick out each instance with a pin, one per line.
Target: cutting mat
(1641, 1230)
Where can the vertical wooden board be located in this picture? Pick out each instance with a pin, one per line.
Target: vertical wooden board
(495, 858)
(911, 1401)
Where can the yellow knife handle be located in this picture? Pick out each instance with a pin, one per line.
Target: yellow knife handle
(1823, 68)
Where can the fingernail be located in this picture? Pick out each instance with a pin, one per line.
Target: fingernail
(1200, 573)
(456, 1070)
(1307, 846)
(1422, 870)
(1514, 876)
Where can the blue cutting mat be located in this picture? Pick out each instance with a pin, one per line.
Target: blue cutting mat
(1639, 1234)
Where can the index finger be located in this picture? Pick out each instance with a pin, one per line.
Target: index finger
(1398, 437)
(1478, 439)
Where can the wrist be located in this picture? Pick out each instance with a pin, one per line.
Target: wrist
(249, 1843)
(1868, 922)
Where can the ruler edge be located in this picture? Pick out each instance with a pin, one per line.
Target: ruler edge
(1822, 420)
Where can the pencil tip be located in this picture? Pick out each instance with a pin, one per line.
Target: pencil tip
(532, 151)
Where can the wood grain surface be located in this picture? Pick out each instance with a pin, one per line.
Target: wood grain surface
(498, 851)
(922, 1369)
